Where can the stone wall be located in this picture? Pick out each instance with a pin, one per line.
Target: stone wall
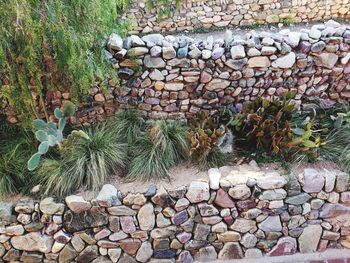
(199, 15)
(174, 77)
(239, 212)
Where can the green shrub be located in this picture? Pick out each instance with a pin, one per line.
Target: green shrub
(162, 146)
(47, 45)
(14, 153)
(84, 163)
(128, 125)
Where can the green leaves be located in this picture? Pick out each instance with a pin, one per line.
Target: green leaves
(34, 162)
(39, 124)
(58, 52)
(41, 136)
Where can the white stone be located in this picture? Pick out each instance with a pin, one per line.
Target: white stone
(214, 178)
(237, 52)
(285, 61)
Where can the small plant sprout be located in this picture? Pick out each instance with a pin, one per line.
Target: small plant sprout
(50, 134)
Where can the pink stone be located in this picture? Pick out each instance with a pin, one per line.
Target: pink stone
(102, 234)
(223, 200)
(205, 77)
(322, 246)
(118, 236)
(245, 205)
(184, 237)
(171, 108)
(345, 198)
(52, 228)
(212, 220)
(127, 224)
(62, 237)
(333, 210)
(285, 246)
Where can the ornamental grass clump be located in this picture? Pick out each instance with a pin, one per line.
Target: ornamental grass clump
(84, 162)
(162, 145)
(128, 125)
(14, 154)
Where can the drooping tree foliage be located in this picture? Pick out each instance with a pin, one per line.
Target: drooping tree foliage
(49, 44)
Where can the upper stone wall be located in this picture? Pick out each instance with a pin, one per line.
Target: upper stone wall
(197, 14)
(174, 77)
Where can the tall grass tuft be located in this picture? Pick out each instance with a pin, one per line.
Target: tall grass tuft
(84, 163)
(162, 146)
(14, 154)
(128, 125)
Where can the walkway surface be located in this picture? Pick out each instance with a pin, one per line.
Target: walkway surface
(329, 256)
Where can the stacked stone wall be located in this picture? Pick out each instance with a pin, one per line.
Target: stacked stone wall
(198, 14)
(239, 212)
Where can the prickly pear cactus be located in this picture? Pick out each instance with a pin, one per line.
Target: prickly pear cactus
(51, 134)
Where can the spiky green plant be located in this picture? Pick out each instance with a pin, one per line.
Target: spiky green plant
(162, 146)
(14, 154)
(128, 125)
(84, 163)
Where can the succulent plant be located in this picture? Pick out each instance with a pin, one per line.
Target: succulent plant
(50, 134)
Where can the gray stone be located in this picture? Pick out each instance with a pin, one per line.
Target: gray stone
(153, 62)
(342, 182)
(115, 42)
(153, 39)
(169, 52)
(271, 224)
(121, 211)
(108, 196)
(285, 62)
(276, 194)
(25, 205)
(136, 41)
(311, 180)
(146, 217)
(34, 241)
(236, 64)
(50, 207)
(272, 181)
(198, 191)
(239, 192)
(249, 240)
(327, 60)
(5, 213)
(298, 199)
(309, 239)
(243, 225)
(145, 252)
(206, 254)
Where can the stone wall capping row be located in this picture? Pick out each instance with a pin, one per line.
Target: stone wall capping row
(236, 212)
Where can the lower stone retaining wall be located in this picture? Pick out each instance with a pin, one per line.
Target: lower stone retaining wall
(241, 212)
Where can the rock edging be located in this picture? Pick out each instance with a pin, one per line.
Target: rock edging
(246, 213)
